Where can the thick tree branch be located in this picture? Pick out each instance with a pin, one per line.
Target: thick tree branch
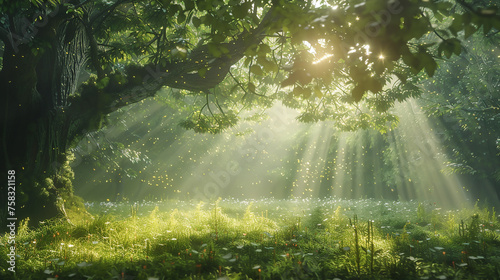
(199, 72)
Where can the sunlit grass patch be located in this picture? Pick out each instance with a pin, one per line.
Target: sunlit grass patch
(263, 239)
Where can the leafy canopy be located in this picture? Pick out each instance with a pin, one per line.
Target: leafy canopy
(343, 60)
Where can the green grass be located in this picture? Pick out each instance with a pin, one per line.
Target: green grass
(262, 239)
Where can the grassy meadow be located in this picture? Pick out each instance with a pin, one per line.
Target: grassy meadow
(261, 239)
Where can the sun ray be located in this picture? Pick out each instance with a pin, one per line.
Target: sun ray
(424, 149)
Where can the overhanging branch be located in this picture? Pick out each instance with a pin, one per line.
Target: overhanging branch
(199, 72)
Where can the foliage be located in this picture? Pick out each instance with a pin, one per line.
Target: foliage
(463, 96)
(325, 57)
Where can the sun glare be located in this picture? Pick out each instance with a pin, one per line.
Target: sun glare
(324, 57)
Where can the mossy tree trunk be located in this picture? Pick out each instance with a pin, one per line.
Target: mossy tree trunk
(37, 79)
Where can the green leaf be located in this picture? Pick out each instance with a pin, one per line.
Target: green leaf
(457, 46)
(189, 5)
(289, 81)
(402, 77)
(443, 48)
(102, 83)
(429, 63)
(181, 18)
(173, 9)
(412, 61)
(251, 51)
(303, 92)
(487, 25)
(268, 65)
(469, 30)
(318, 92)
(374, 85)
(255, 69)
(359, 73)
(457, 24)
(449, 47)
(247, 61)
(303, 76)
(496, 23)
(240, 11)
(417, 28)
(251, 87)
(196, 22)
(207, 19)
(205, 5)
(357, 93)
(218, 38)
(263, 49)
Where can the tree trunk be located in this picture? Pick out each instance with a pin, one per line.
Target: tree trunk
(36, 126)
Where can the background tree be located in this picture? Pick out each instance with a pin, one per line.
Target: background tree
(319, 55)
(464, 96)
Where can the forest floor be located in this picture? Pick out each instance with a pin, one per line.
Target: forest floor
(261, 239)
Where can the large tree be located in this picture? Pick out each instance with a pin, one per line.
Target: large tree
(67, 64)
